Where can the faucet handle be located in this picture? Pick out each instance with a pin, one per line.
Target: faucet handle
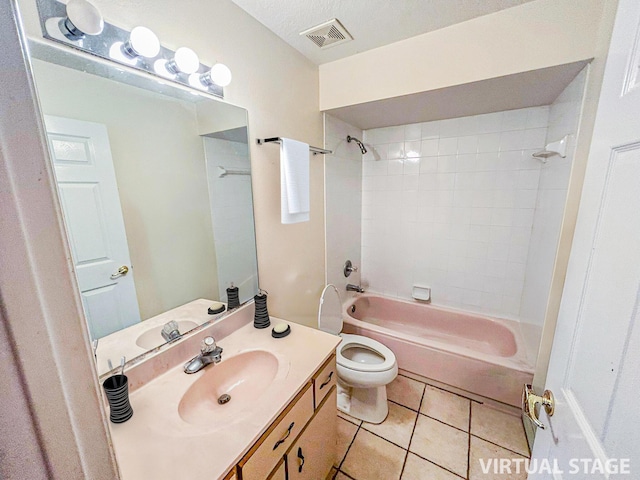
(208, 345)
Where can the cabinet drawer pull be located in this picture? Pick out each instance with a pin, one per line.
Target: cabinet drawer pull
(279, 442)
(301, 457)
(327, 382)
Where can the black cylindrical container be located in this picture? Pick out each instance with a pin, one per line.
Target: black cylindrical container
(233, 297)
(261, 317)
(117, 389)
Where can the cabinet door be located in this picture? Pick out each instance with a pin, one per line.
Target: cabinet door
(313, 454)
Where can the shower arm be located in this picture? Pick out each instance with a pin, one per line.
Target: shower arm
(363, 149)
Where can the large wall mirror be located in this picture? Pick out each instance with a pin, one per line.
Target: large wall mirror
(155, 186)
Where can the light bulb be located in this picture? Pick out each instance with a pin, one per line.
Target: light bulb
(142, 43)
(116, 52)
(185, 61)
(161, 67)
(196, 82)
(220, 74)
(82, 18)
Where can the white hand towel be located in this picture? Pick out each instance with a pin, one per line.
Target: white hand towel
(294, 181)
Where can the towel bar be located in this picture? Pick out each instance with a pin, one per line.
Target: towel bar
(315, 150)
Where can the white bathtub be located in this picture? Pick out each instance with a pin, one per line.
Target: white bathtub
(481, 355)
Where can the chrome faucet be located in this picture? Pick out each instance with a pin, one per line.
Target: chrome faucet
(209, 353)
(354, 288)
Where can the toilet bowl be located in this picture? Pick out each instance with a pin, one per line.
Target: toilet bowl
(364, 365)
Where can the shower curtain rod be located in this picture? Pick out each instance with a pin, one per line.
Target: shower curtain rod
(315, 150)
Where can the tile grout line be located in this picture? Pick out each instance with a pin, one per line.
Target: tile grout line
(442, 422)
(385, 439)
(406, 456)
(498, 445)
(469, 441)
(349, 447)
(437, 465)
(348, 476)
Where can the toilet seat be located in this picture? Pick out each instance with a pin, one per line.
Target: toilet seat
(350, 340)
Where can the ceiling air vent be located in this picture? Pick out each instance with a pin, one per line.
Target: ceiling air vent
(328, 34)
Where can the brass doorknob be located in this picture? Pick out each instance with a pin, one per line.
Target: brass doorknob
(530, 400)
(122, 271)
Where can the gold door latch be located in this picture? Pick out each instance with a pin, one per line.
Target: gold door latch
(530, 400)
(122, 271)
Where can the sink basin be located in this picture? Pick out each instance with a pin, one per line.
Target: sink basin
(243, 378)
(152, 338)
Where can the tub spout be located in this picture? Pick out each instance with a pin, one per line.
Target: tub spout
(354, 288)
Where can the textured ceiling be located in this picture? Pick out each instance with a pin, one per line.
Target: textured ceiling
(372, 23)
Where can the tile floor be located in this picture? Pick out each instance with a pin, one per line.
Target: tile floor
(429, 434)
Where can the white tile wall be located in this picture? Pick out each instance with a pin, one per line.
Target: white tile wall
(343, 199)
(564, 118)
(450, 204)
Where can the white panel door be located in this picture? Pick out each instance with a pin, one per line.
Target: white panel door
(93, 217)
(594, 372)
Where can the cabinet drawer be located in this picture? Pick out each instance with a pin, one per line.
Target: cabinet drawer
(324, 380)
(313, 454)
(271, 447)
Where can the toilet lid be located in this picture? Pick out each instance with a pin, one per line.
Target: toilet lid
(330, 312)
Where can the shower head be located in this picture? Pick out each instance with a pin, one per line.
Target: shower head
(363, 149)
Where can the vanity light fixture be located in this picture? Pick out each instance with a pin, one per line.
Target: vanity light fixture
(82, 19)
(184, 61)
(142, 43)
(79, 24)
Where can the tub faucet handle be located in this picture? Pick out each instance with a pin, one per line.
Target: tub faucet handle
(349, 268)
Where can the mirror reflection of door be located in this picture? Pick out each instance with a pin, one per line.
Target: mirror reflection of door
(88, 192)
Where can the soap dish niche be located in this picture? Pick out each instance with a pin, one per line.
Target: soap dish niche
(421, 293)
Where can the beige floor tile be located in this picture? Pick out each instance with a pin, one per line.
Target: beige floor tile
(406, 391)
(349, 418)
(446, 407)
(499, 427)
(373, 458)
(441, 444)
(346, 432)
(397, 427)
(417, 468)
(342, 476)
(481, 450)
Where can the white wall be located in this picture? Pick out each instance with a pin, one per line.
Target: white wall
(343, 200)
(232, 213)
(450, 205)
(531, 36)
(564, 119)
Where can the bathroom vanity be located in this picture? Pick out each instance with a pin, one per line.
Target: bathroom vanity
(279, 423)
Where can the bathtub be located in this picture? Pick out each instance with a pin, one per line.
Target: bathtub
(482, 355)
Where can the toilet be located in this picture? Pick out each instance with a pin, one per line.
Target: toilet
(365, 366)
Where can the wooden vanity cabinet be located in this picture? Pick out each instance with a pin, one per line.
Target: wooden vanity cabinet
(306, 428)
(280, 472)
(313, 453)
